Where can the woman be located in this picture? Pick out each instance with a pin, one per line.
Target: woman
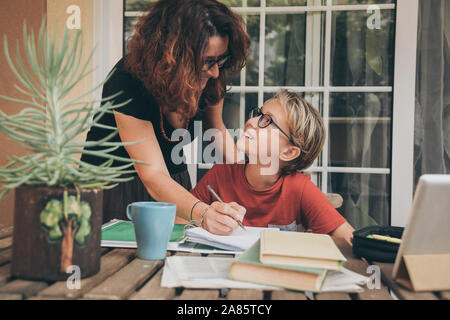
(175, 72)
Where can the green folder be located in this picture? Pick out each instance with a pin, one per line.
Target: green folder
(124, 231)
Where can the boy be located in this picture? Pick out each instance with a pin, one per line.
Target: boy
(269, 186)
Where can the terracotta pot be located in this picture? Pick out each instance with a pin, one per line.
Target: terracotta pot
(49, 236)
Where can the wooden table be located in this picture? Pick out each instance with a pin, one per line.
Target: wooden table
(123, 276)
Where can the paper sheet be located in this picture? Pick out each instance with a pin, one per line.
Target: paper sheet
(202, 272)
(212, 272)
(344, 280)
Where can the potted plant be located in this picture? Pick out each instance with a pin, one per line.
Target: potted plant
(58, 201)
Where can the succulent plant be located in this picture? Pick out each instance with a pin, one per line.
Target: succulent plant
(50, 124)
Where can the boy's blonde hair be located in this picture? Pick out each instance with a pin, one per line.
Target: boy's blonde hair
(306, 128)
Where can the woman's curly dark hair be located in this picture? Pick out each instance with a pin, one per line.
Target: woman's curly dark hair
(167, 51)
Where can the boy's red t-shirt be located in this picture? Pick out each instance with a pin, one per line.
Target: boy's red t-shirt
(293, 200)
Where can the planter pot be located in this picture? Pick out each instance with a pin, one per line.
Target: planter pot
(55, 230)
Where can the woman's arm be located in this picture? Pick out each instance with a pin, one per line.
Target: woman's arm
(158, 181)
(213, 119)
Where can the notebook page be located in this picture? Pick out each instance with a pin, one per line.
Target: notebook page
(239, 240)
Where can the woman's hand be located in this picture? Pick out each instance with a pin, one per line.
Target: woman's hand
(221, 218)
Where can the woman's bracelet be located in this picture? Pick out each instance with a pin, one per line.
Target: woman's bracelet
(193, 207)
(203, 216)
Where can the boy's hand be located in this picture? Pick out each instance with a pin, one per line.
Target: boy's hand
(222, 218)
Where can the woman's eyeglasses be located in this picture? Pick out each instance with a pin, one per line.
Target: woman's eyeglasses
(209, 63)
(265, 120)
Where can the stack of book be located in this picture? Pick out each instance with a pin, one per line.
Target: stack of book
(292, 260)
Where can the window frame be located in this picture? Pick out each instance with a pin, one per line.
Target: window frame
(402, 165)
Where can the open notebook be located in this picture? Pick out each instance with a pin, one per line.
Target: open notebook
(240, 240)
(120, 234)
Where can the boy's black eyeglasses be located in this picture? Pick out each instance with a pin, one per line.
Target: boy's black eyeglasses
(265, 120)
(209, 63)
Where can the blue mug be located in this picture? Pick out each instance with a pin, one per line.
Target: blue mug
(153, 224)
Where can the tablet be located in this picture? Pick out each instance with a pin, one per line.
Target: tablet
(428, 228)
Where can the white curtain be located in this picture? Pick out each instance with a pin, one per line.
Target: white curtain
(432, 114)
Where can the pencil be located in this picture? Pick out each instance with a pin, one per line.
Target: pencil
(219, 199)
(385, 238)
